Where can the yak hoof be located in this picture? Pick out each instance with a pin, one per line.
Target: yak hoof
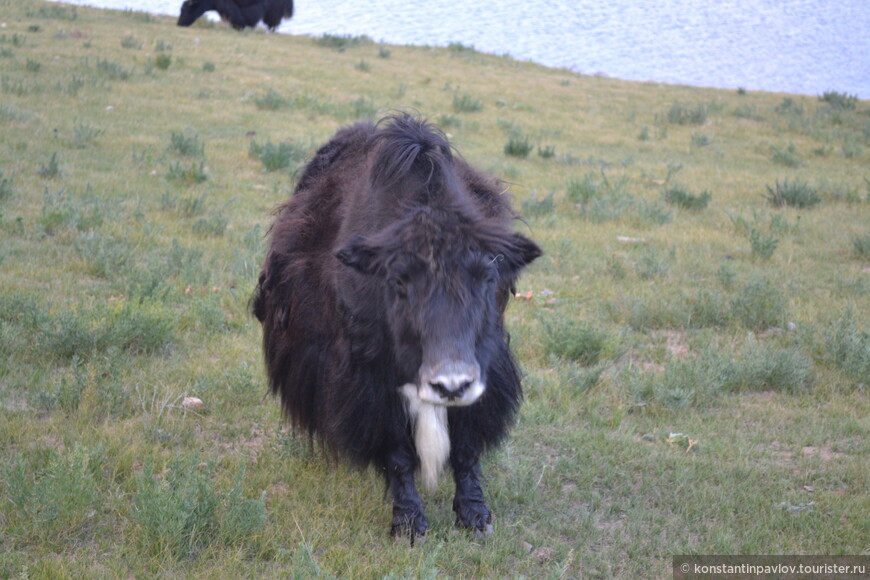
(411, 529)
(474, 516)
(481, 534)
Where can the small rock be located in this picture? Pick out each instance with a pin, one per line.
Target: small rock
(190, 403)
(543, 554)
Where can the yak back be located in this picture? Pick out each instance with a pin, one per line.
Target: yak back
(363, 180)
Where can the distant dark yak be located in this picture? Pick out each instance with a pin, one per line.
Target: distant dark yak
(239, 13)
(382, 302)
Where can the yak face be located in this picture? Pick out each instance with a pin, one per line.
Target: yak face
(443, 288)
(193, 9)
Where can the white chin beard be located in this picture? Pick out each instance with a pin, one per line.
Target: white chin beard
(431, 435)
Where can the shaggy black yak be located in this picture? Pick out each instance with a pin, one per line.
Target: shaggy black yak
(382, 302)
(239, 13)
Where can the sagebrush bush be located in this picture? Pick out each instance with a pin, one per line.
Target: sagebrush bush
(537, 206)
(187, 174)
(841, 101)
(795, 193)
(683, 114)
(760, 305)
(847, 345)
(682, 197)
(5, 187)
(52, 496)
(787, 156)
(342, 42)
(277, 156)
(575, 341)
(465, 103)
(186, 143)
(518, 147)
(861, 246)
(183, 513)
(271, 100)
(763, 245)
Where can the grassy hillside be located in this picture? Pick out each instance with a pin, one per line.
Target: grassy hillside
(696, 339)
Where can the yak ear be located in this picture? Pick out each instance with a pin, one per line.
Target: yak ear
(518, 252)
(361, 255)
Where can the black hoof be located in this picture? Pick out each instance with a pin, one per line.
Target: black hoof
(474, 516)
(409, 528)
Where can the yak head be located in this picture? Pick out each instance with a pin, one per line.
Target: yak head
(443, 281)
(193, 9)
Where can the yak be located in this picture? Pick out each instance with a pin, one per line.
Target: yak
(382, 302)
(239, 13)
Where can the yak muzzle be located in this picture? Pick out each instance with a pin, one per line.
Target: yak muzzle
(451, 384)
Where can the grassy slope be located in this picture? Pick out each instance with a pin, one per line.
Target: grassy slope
(123, 288)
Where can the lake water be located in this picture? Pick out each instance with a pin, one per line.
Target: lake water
(796, 46)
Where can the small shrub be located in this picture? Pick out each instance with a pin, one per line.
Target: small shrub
(137, 329)
(270, 101)
(186, 144)
(760, 305)
(651, 265)
(341, 42)
(465, 103)
(55, 496)
(839, 101)
(449, 121)
(789, 107)
(130, 41)
(760, 368)
(50, 170)
(701, 140)
(682, 114)
(796, 193)
(85, 135)
(582, 191)
(575, 341)
(546, 151)
(538, 206)
(363, 66)
(860, 244)
(214, 225)
(182, 513)
(275, 157)
(682, 197)
(848, 347)
(363, 108)
(747, 111)
(763, 245)
(113, 70)
(384, 52)
(33, 65)
(5, 187)
(518, 147)
(189, 175)
(787, 156)
(208, 66)
(162, 60)
(458, 47)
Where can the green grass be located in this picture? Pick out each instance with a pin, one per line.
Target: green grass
(134, 200)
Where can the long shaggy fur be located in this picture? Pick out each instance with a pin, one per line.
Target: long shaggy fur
(330, 354)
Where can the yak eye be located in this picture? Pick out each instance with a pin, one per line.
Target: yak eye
(399, 284)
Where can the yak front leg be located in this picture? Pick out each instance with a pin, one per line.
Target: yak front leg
(408, 518)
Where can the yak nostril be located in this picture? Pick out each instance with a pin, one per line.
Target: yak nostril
(444, 388)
